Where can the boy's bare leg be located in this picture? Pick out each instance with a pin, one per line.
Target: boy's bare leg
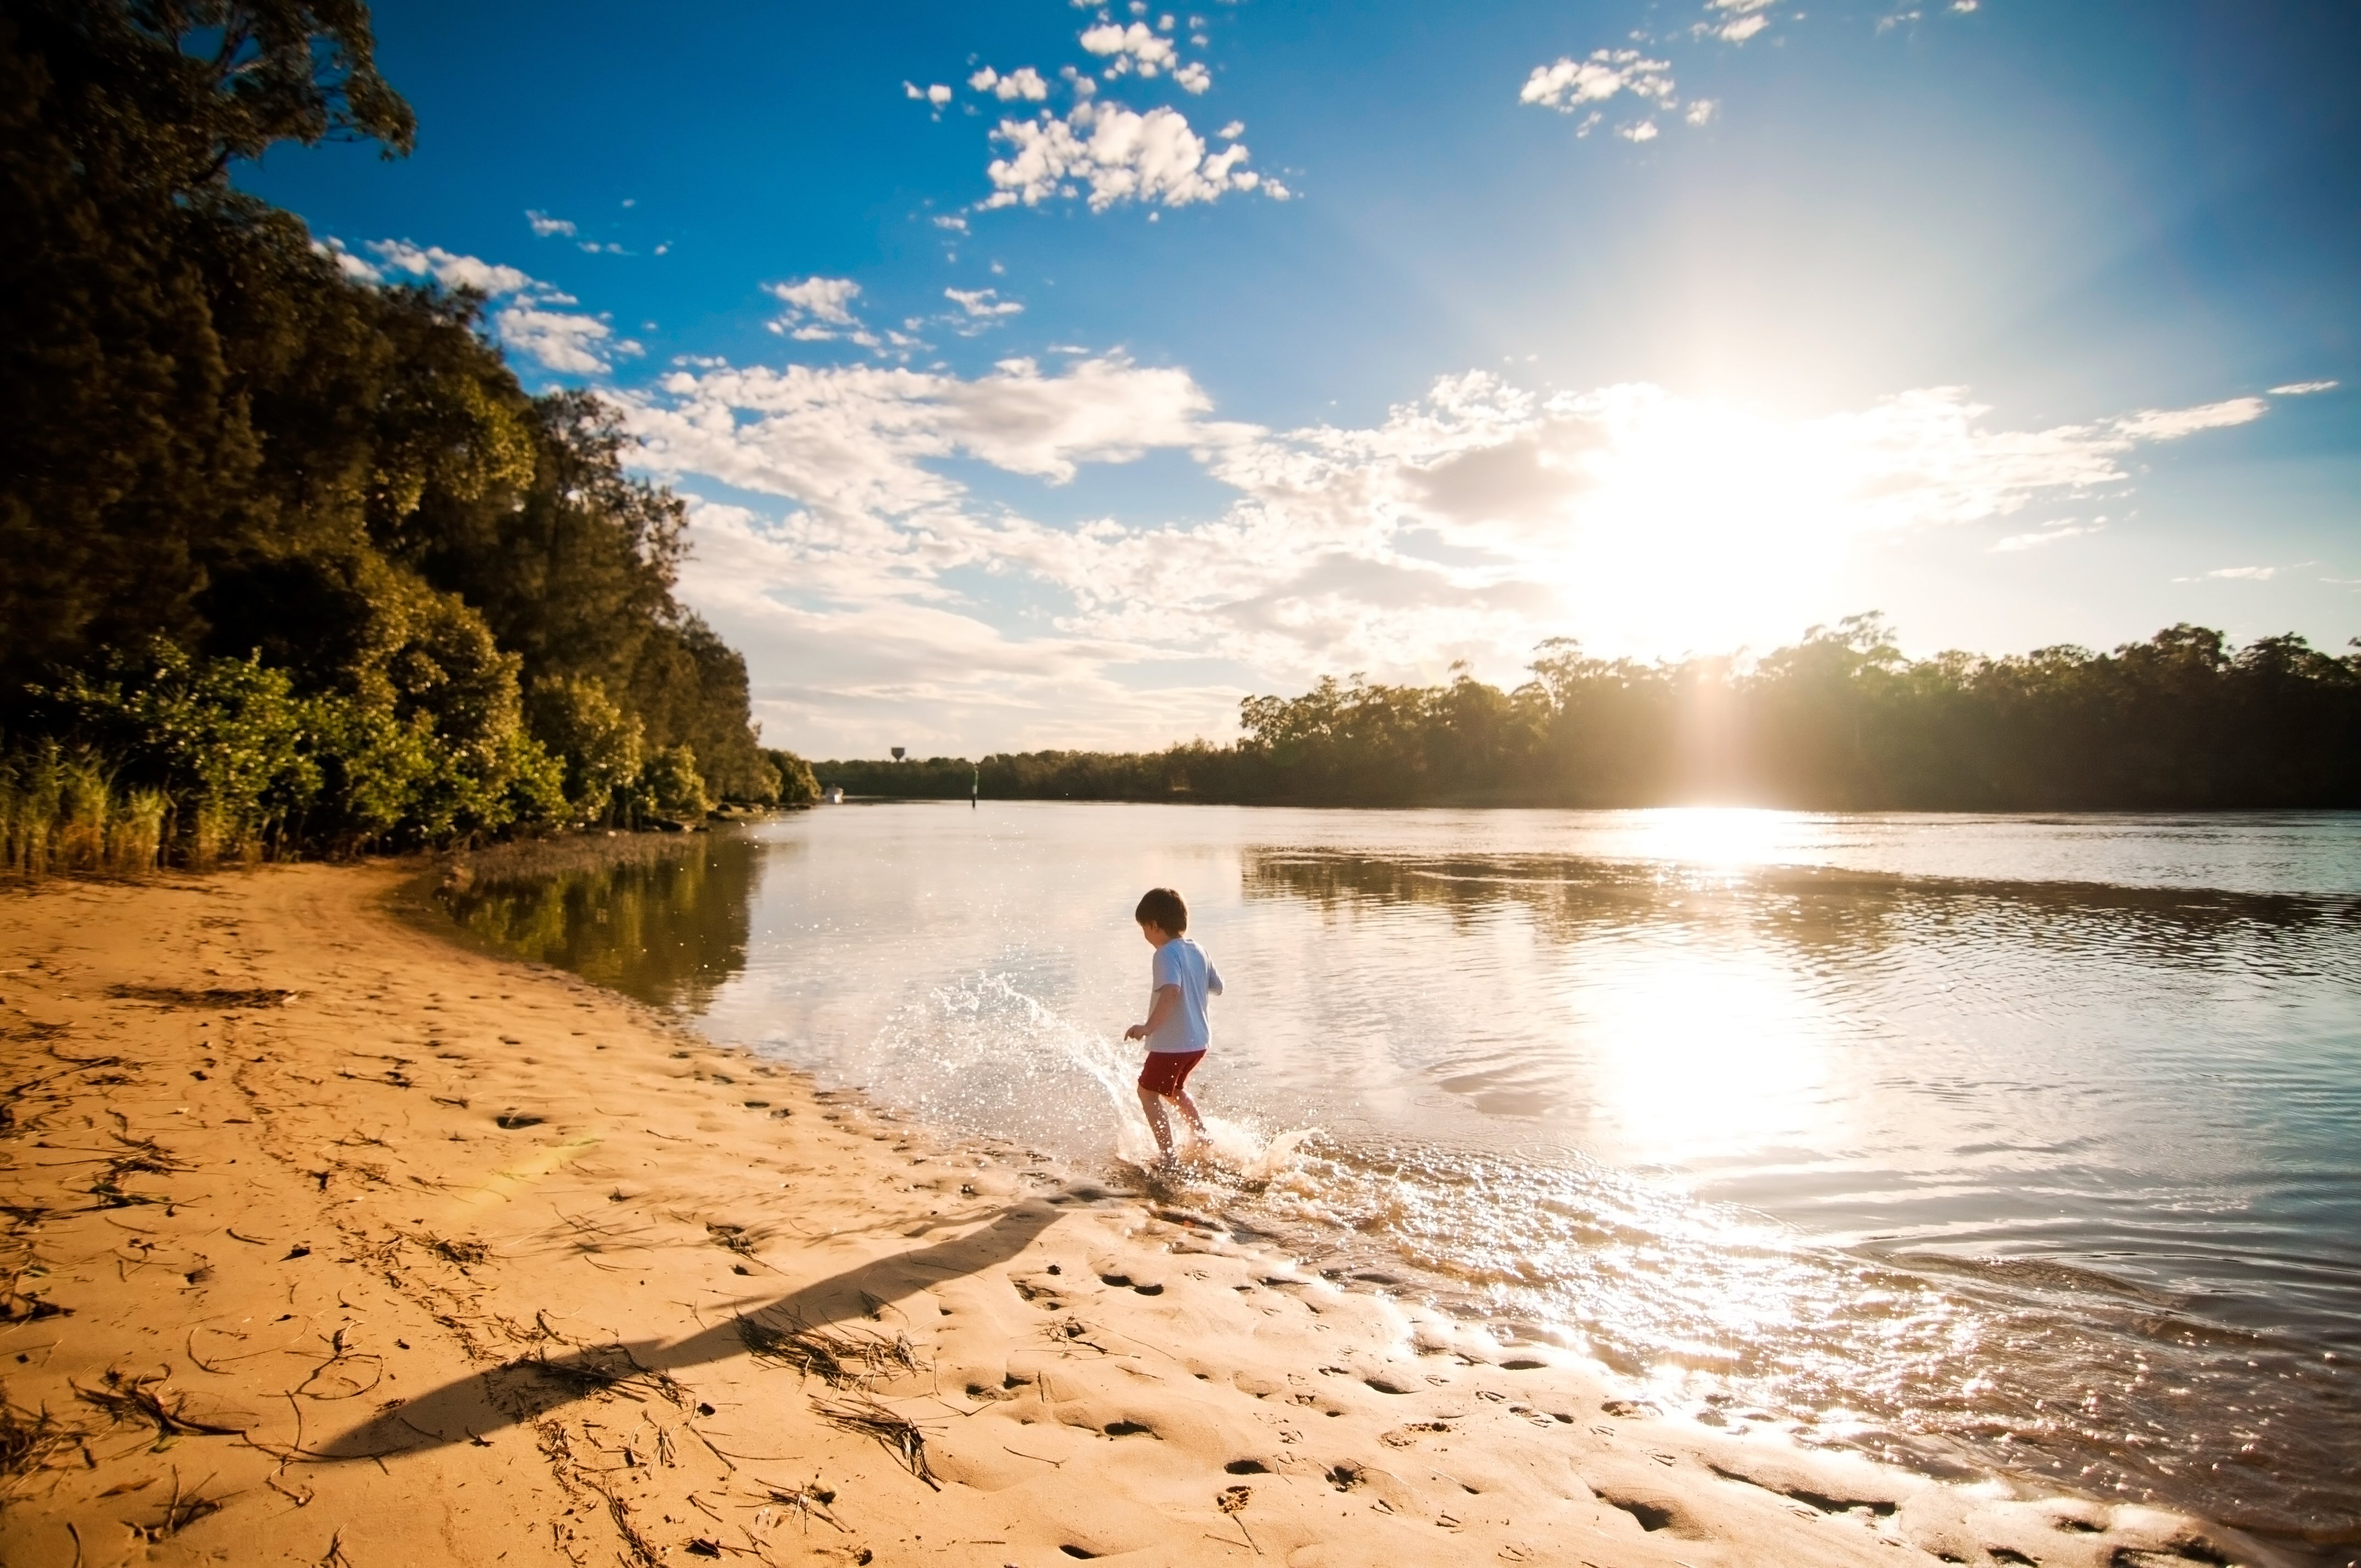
(1152, 1104)
(1189, 1114)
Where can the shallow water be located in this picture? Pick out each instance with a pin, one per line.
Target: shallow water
(2027, 1142)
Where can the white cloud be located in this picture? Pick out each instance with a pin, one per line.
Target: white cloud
(819, 310)
(351, 266)
(1192, 77)
(1237, 129)
(2170, 424)
(937, 94)
(1470, 523)
(2048, 534)
(1118, 156)
(1644, 131)
(984, 303)
(1700, 111)
(452, 271)
(1134, 47)
(1570, 83)
(850, 443)
(1740, 20)
(1022, 83)
(561, 340)
(827, 299)
(2303, 388)
(544, 226)
(849, 677)
(2241, 574)
(531, 324)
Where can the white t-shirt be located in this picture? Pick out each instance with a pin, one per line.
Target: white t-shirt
(1180, 962)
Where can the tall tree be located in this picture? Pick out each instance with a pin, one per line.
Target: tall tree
(234, 481)
(127, 441)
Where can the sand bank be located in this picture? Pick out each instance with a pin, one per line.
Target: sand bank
(328, 1243)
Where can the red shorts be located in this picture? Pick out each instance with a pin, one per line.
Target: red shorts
(1165, 1071)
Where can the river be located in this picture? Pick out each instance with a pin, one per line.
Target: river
(2026, 1143)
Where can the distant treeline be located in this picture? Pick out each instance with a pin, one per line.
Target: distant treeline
(1838, 721)
(290, 561)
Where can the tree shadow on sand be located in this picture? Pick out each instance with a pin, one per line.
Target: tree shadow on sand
(523, 1390)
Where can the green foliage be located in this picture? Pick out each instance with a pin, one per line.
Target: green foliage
(249, 764)
(1838, 721)
(186, 87)
(340, 536)
(597, 743)
(229, 733)
(675, 786)
(150, 318)
(793, 784)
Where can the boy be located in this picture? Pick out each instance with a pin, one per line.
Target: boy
(1179, 978)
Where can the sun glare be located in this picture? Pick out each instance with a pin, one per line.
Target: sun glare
(1705, 1055)
(1713, 837)
(1700, 524)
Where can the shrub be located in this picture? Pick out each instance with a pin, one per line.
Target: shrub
(675, 786)
(797, 784)
(595, 744)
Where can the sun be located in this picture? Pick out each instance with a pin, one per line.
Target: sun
(1701, 527)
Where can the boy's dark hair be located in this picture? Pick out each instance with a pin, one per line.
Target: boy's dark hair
(1161, 908)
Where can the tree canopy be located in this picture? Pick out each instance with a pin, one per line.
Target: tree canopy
(218, 450)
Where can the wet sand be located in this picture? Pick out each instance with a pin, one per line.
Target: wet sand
(329, 1242)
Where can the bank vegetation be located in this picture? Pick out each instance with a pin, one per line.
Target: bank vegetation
(1840, 721)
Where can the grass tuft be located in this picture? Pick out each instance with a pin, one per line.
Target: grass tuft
(900, 1435)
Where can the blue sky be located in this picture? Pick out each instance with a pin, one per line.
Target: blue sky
(1055, 376)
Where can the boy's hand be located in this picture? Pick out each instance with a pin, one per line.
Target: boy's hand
(1136, 1032)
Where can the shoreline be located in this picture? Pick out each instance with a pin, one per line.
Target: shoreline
(331, 1240)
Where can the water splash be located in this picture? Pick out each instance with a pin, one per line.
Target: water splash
(987, 1056)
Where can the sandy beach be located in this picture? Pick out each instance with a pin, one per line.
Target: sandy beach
(329, 1242)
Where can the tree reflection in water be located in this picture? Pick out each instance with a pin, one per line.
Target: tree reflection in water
(668, 927)
(1820, 911)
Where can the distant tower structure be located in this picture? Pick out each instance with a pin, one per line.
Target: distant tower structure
(898, 753)
(976, 789)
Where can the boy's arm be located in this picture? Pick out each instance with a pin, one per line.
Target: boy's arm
(1168, 997)
(1212, 981)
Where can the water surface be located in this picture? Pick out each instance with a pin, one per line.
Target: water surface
(2026, 1142)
